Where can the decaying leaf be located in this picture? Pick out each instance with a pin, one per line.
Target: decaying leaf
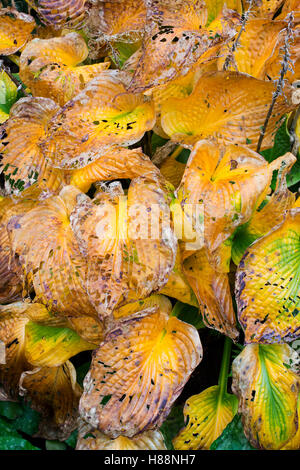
(267, 285)
(50, 67)
(60, 13)
(265, 381)
(96, 440)
(101, 115)
(229, 106)
(15, 30)
(213, 294)
(22, 161)
(138, 372)
(228, 184)
(52, 346)
(54, 393)
(206, 416)
(49, 255)
(155, 300)
(13, 319)
(128, 241)
(118, 162)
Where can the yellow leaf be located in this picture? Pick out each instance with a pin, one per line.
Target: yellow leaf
(102, 115)
(138, 372)
(206, 415)
(213, 294)
(50, 67)
(23, 163)
(155, 300)
(60, 13)
(128, 240)
(15, 30)
(294, 443)
(52, 346)
(54, 393)
(49, 255)
(229, 106)
(96, 440)
(267, 387)
(116, 163)
(267, 284)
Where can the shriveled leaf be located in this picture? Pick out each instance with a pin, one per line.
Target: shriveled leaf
(213, 294)
(22, 161)
(50, 67)
(54, 393)
(96, 440)
(267, 284)
(101, 115)
(116, 163)
(49, 255)
(265, 381)
(206, 416)
(52, 346)
(15, 30)
(128, 241)
(138, 372)
(60, 13)
(229, 106)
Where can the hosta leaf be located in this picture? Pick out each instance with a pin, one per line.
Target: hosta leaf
(96, 440)
(130, 250)
(101, 115)
(213, 294)
(229, 184)
(22, 161)
(229, 106)
(50, 67)
(206, 415)
(13, 319)
(232, 438)
(215, 7)
(256, 47)
(88, 328)
(52, 346)
(54, 393)
(267, 284)
(172, 424)
(15, 30)
(154, 300)
(10, 273)
(49, 255)
(8, 92)
(268, 215)
(294, 443)
(10, 439)
(173, 42)
(138, 372)
(117, 163)
(267, 387)
(59, 13)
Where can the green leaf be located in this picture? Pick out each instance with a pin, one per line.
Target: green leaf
(8, 92)
(188, 314)
(172, 425)
(10, 439)
(72, 439)
(232, 438)
(81, 372)
(157, 141)
(55, 445)
(10, 409)
(28, 422)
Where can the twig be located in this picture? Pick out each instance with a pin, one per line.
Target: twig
(280, 82)
(235, 44)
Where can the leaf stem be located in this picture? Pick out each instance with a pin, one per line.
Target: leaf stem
(223, 376)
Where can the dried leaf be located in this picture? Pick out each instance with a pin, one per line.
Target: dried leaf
(267, 387)
(100, 116)
(138, 372)
(59, 13)
(50, 67)
(22, 162)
